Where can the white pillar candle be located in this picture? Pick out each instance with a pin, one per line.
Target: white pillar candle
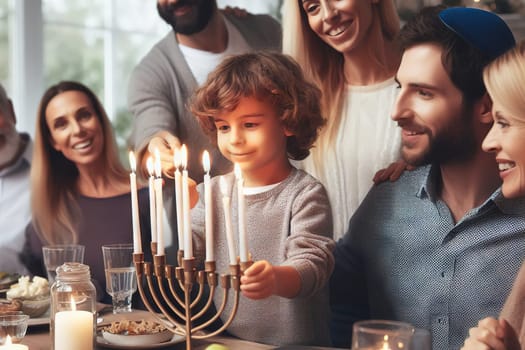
(241, 211)
(210, 256)
(178, 197)
(8, 345)
(137, 244)
(152, 199)
(73, 329)
(159, 205)
(188, 239)
(228, 220)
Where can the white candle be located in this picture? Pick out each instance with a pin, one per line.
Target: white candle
(207, 207)
(228, 220)
(241, 210)
(188, 239)
(73, 329)
(8, 345)
(152, 206)
(178, 197)
(137, 244)
(159, 206)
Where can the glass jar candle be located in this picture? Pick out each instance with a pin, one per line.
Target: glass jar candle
(73, 308)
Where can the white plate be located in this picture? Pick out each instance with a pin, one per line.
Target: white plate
(177, 338)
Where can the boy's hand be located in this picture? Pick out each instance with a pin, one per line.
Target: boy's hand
(258, 281)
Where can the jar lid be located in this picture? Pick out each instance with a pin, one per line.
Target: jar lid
(72, 271)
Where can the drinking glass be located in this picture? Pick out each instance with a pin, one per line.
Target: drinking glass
(381, 334)
(121, 282)
(56, 255)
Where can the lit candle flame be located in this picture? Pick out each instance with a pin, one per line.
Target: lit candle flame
(237, 171)
(176, 158)
(385, 344)
(224, 186)
(158, 167)
(184, 156)
(150, 166)
(132, 161)
(206, 161)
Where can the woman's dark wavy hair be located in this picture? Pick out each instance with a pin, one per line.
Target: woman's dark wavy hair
(268, 76)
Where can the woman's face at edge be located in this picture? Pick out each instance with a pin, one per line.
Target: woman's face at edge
(344, 25)
(506, 140)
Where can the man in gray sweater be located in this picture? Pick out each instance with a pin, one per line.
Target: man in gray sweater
(162, 82)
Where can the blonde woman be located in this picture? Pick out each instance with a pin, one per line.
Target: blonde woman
(349, 48)
(505, 81)
(80, 190)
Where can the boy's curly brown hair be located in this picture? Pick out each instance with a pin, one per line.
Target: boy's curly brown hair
(268, 76)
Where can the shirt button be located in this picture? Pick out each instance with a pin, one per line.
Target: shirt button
(442, 273)
(442, 320)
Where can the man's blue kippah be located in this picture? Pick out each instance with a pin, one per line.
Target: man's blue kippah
(481, 29)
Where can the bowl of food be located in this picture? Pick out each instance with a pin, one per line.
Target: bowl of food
(13, 325)
(136, 333)
(33, 295)
(37, 306)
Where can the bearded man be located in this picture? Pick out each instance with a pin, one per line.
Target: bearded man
(15, 210)
(162, 82)
(439, 248)
(166, 77)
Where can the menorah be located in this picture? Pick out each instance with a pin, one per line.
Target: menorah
(170, 280)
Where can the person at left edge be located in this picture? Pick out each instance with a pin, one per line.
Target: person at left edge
(15, 163)
(80, 189)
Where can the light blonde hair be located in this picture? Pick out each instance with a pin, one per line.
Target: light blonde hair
(53, 176)
(324, 65)
(505, 80)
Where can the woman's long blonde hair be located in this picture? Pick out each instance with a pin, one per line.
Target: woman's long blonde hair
(325, 65)
(504, 79)
(53, 176)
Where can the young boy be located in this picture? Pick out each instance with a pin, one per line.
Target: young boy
(261, 112)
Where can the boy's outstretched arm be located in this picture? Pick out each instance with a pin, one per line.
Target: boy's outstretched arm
(262, 280)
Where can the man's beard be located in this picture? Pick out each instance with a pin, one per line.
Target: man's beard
(10, 149)
(194, 21)
(454, 143)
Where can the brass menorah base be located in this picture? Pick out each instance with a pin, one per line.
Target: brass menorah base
(174, 280)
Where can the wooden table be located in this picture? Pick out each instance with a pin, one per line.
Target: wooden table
(38, 338)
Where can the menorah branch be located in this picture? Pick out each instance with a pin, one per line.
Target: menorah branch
(175, 302)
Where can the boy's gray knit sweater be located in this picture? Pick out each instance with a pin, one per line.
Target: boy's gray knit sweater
(288, 225)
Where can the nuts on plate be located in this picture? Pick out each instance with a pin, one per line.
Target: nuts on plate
(134, 327)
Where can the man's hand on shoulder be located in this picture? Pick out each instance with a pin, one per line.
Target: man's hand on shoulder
(236, 11)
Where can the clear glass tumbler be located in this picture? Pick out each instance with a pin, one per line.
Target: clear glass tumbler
(381, 334)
